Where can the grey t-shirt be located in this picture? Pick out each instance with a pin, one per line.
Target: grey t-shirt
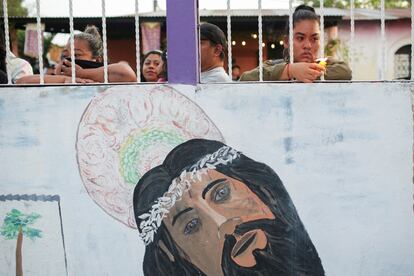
(215, 75)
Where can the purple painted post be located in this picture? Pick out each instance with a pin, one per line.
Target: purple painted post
(182, 34)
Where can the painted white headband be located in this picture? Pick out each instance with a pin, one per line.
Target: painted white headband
(152, 220)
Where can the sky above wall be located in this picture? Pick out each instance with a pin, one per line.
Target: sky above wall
(52, 8)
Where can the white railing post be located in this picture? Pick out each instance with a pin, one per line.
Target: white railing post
(383, 50)
(352, 38)
(260, 27)
(72, 41)
(137, 46)
(291, 57)
(229, 50)
(104, 40)
(322, 41)
(39, 42)
(412, 40)
(7, 40)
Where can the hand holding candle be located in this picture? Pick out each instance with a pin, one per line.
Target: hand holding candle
(322, 61)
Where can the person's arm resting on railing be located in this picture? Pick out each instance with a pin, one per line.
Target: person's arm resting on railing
(117, 72)
(301, 71)
(35, 79)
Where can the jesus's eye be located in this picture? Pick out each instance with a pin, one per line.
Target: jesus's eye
(221, 194)
(192, 226)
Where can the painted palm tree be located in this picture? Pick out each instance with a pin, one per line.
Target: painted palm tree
(16, 225)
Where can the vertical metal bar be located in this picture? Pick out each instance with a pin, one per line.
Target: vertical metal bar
(7, 40)
(72, 41)
(260, 41)
(322, 37)
(182, 36)
(322, 20)
(229, 52)
(382, 64)
(352, 39)
(412, 40)
(39, 42)
(137, 46)
(291, 57)
(105, 47)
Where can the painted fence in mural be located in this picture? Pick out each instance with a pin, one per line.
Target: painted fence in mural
(72, 156)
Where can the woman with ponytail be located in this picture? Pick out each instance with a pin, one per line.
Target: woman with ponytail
(88, 63)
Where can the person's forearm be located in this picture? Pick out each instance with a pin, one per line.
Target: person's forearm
(116, 73)
(33, 79)
(271, 72)
(286, 73)
(95, 74)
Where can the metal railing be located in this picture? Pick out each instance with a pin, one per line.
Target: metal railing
(351, 44)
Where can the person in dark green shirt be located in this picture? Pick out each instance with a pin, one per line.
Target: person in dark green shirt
(306, 44)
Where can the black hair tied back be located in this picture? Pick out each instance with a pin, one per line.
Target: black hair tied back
(302, 12)
(305, 8)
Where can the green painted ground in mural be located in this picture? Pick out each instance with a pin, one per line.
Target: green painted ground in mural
(135, 146)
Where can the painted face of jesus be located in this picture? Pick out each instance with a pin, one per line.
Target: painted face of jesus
(211, 209)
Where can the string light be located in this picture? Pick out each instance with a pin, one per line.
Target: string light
(244, 43)
(233, 42)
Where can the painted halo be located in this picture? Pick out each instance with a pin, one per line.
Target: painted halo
(126, 131)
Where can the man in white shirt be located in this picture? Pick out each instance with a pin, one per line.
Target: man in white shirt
(18, 67)
(212, 50)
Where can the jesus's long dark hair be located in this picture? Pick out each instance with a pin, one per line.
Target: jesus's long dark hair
(295, 244)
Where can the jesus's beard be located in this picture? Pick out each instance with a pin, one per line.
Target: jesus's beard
(289, 251)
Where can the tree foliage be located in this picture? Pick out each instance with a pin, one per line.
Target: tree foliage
(15, 220)
(346, 4)
(14, 8)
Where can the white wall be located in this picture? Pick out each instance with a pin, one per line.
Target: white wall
(343, 151)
